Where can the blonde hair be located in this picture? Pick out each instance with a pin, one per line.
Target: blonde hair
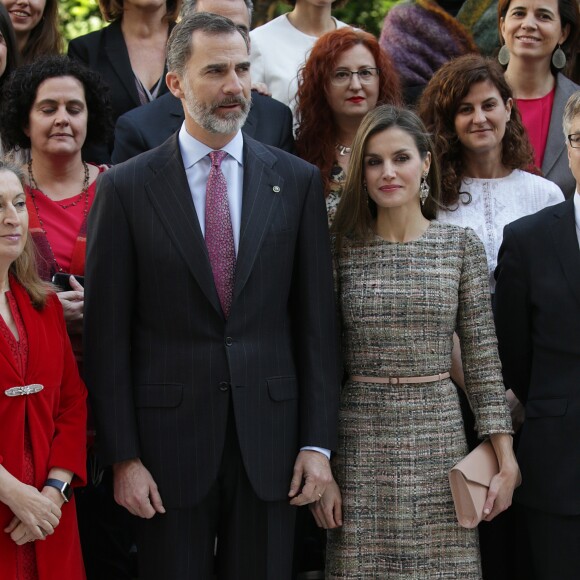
(24, 267)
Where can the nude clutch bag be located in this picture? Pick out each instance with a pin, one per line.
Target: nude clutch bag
(469, 480)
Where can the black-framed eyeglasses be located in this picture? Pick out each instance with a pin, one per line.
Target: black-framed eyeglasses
(574, 140)
(342, 77)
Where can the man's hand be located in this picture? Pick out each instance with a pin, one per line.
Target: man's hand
(311, 477)
(136, 490)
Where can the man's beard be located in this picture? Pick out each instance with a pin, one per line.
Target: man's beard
(204, 114)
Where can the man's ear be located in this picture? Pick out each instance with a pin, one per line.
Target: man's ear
(173, 82)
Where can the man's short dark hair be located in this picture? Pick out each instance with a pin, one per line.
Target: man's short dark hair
(179, 45)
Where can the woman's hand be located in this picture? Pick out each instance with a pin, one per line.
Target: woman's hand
(328, 510)
(501, 488)
(36, 515)
(73, 303)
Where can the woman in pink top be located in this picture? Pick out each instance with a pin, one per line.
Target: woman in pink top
(541, 37)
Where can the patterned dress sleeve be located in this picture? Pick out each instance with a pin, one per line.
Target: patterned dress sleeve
(475, 328)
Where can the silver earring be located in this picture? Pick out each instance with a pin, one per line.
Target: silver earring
(424, 189)
(559, 58)
(503, 56)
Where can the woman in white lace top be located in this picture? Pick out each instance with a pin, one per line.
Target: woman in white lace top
(484, 152)
(485, 158)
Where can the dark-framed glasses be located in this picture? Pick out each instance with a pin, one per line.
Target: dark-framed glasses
(342, 77)
(574, 140)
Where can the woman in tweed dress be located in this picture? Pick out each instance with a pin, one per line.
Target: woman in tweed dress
(404, 285)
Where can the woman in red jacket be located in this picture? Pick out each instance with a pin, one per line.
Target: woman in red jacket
(42, 410)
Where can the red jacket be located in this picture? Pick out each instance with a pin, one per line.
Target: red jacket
(57, 422)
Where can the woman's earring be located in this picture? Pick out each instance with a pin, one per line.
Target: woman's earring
(424, 188)
(559, 58)
(503, 56)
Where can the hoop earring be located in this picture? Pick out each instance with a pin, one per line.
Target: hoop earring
(424, 188)
(503, 56)
(559, 58)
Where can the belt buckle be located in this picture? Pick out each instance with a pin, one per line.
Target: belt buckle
(24, 390)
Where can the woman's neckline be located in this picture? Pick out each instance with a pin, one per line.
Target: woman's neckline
(468, 178)
(377, 237)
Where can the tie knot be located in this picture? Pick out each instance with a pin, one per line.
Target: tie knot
(217, 157)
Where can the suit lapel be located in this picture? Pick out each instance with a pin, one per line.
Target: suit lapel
(170, 195)
(9, 368)
(30, 318)
(37, 338)
(262, 188)
(555, 144)
(563, 231)
(118, 56)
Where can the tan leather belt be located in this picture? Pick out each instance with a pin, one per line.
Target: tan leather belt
(400, 380)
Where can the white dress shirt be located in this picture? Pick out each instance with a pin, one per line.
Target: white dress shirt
(197, 165)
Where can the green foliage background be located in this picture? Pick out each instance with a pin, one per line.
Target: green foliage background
(79, 17)
(366, 14)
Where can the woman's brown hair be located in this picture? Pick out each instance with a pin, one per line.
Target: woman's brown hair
(569, 16)
(45, 38)
(357, 211)
(438, 107)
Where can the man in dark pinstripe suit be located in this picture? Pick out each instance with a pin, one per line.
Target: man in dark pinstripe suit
(216, 425)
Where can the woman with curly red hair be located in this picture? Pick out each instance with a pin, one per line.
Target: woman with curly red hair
(346, 75)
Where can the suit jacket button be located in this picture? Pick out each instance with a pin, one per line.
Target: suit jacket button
(229, 341)
(224, 386)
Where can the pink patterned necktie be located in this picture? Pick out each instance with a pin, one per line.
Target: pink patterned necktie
(219, 236)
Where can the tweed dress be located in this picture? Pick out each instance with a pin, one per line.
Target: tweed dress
(399, 306)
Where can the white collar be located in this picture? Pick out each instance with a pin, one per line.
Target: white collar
(193, 150)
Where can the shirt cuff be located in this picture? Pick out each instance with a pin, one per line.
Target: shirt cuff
(325, 452)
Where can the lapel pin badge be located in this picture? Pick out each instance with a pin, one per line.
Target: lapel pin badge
(276, 189)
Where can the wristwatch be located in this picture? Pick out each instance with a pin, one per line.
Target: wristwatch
(63, 487)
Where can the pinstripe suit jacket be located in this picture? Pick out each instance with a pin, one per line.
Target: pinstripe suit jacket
(161, 360)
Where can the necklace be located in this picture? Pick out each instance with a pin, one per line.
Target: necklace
(342, 149)
(34, 185)
(83, 194)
